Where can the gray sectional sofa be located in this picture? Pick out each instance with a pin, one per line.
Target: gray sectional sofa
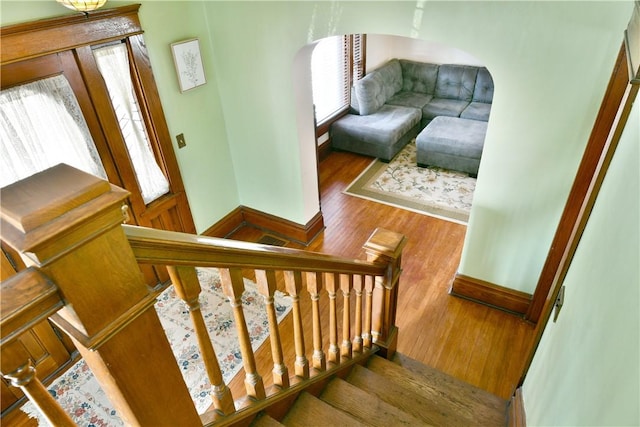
(392, 105)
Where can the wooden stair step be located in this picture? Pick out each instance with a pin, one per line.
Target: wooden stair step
(264, 420)
(311, 411)
(449, 383)
(469, 403)
(365, 406)
(427, 410)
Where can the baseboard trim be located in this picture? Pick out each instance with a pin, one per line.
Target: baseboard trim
(245, 216)
(517, 416)
(490, 294)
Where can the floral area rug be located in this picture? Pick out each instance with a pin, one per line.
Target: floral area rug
(80, 395)
(432, 191)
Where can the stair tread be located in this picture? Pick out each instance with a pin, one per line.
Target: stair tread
(265, 420)
(448, 382)
(365, 406)
(446, 397)
(311, 411)
(425, 409)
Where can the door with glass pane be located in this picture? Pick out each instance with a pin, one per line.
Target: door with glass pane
(96, 107)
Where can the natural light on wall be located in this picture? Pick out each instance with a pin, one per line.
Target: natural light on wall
(329, 72)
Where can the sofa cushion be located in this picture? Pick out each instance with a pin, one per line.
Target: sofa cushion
(477, 111)
(483, 91)
(418, 77)
(452, 143)
(381, 134)
(443, 107)
(374, 89)
(456, 82)
(410, 99)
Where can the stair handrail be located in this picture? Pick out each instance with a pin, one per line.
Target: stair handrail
(162, 247)
(67, 225)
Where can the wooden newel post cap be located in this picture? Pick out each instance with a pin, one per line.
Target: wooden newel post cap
(384, 244)
(49, 205)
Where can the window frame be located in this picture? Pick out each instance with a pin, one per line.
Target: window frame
(356, 48)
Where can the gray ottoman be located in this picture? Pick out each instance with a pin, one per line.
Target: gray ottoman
(452, 143)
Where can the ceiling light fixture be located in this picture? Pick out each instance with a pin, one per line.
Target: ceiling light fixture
(82, 6)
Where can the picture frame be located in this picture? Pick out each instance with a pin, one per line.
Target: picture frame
(188, 63)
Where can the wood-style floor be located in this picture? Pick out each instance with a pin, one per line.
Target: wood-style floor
(477, 344)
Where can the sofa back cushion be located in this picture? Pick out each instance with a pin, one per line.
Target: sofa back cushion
(456, 82)
(483, 91)
(374, 89)
(418, 77)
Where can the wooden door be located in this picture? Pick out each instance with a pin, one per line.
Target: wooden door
(69, 51)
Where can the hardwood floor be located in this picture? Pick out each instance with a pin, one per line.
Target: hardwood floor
(477, 344)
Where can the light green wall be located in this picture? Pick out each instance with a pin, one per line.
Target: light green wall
(250, 133)
(587, 368)
(205, 162)
(550, 60)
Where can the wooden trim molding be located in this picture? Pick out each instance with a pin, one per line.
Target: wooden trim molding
(583, 193)
(517, 416)
(490, 294)
(243, 216)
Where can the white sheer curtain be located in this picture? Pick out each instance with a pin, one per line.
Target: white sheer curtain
(113, 63)
(41, 125)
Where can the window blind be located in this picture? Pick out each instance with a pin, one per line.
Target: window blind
(330, 76)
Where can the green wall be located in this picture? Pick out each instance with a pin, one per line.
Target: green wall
(587, 368)
(205, 163)
(550, 60)
(249, 130)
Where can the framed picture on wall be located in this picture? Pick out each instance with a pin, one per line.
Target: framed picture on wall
(188, 62)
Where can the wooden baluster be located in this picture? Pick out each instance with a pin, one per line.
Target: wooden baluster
(357, 338)
(187, 286)
(18, 369)
(233, 288)
(68, 223)
(385, 246)
(314, 286)
(293, 285)
(331, 284)
(366, 336)
(346, 284)
(267, 283)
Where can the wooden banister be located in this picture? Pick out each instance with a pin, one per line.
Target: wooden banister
(161, 247)
(68, 225)
(28, 298)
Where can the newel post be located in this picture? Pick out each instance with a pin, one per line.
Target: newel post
(67, 223)
(384, 246)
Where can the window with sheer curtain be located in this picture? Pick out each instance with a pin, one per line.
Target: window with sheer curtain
(113, 63)
(41, 125)
(335, 63)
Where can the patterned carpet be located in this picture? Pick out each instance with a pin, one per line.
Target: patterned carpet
(80, 394)
(432, 191)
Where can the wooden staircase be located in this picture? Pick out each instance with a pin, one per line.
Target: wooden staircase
(343, 378)
(384, 393)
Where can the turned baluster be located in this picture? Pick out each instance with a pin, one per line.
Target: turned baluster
(314, 285)
(233, 288)
(366, 336)
(357, 338)
(18, 369)
(267, 283)
(331, 284)
(346, 284)
(187, 286)
(384, 246)
(293, 285)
